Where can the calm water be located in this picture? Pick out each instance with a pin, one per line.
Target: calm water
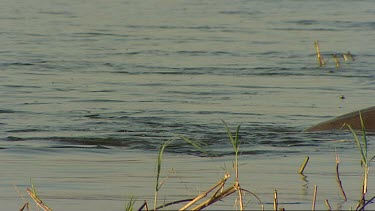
(98, 80)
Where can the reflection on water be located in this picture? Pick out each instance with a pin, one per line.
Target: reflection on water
(305, 185)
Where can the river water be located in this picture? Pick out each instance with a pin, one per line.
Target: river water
(90, 89)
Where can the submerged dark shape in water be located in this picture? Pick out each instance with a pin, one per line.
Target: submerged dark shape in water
(353, 119)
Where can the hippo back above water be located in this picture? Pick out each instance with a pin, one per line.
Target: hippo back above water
(352, 119)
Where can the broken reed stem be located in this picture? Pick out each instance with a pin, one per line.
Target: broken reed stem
(314, 197)
(302, 168)
(260, 201)
(327, 204)
(338, 178)
(143, 205)
(318, 55)
(337, 60)
(37, 200)
(239, 195)
(172, 203)
(26, 205)
(202, 195)
(214, 199)
(368, 202)
(275, 201)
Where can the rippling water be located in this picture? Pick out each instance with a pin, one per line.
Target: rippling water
(133, 74)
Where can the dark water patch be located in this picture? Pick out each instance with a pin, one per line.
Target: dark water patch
(98, 101)
(304, 22)
(22, 86)
(306, 29)
(97, 34)
(7, 111)
(25, 130)
(194, 27)
(103, 91)
(207, 53)
(242, 12)
(13, 138)
(92, 141)
(79, 147)
(58, 13)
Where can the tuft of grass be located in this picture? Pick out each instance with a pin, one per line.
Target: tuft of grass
(217, 191)
(130, 205)
(158, 183)
(365, 161)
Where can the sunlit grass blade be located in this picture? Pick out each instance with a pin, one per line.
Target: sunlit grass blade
(364, 137)
(158, 166)
(130, 205)
(234, 140)
(358, 143)
(197, 146)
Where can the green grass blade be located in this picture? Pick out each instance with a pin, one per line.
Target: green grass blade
(196, 145)
(364, 138)
(159, 162)
(130, 205)
(33, 189)
(234, 140)
(357, 141)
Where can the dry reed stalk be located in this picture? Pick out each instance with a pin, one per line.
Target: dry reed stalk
(337, 60)
(172, 203)
(275, 201)
(348, 56)
(239, 194)
(202, 195)
(143, 205)
(216, 198)
(260, 201)
(26, 205)
(318, 55)
(338, 177)
(364, 205)
(314, 197)
(302, 168)
(37, 200)
(327, 204)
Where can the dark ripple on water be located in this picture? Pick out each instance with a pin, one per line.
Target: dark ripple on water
(255, 140)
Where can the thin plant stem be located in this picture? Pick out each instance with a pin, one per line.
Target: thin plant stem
(362, 147)
(314, 197)
(327, 204)
(275, 201)
(338, 177)
(318, 55)
(174, 202)
(26, 205)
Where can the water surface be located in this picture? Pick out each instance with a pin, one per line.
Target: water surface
(122, 77)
